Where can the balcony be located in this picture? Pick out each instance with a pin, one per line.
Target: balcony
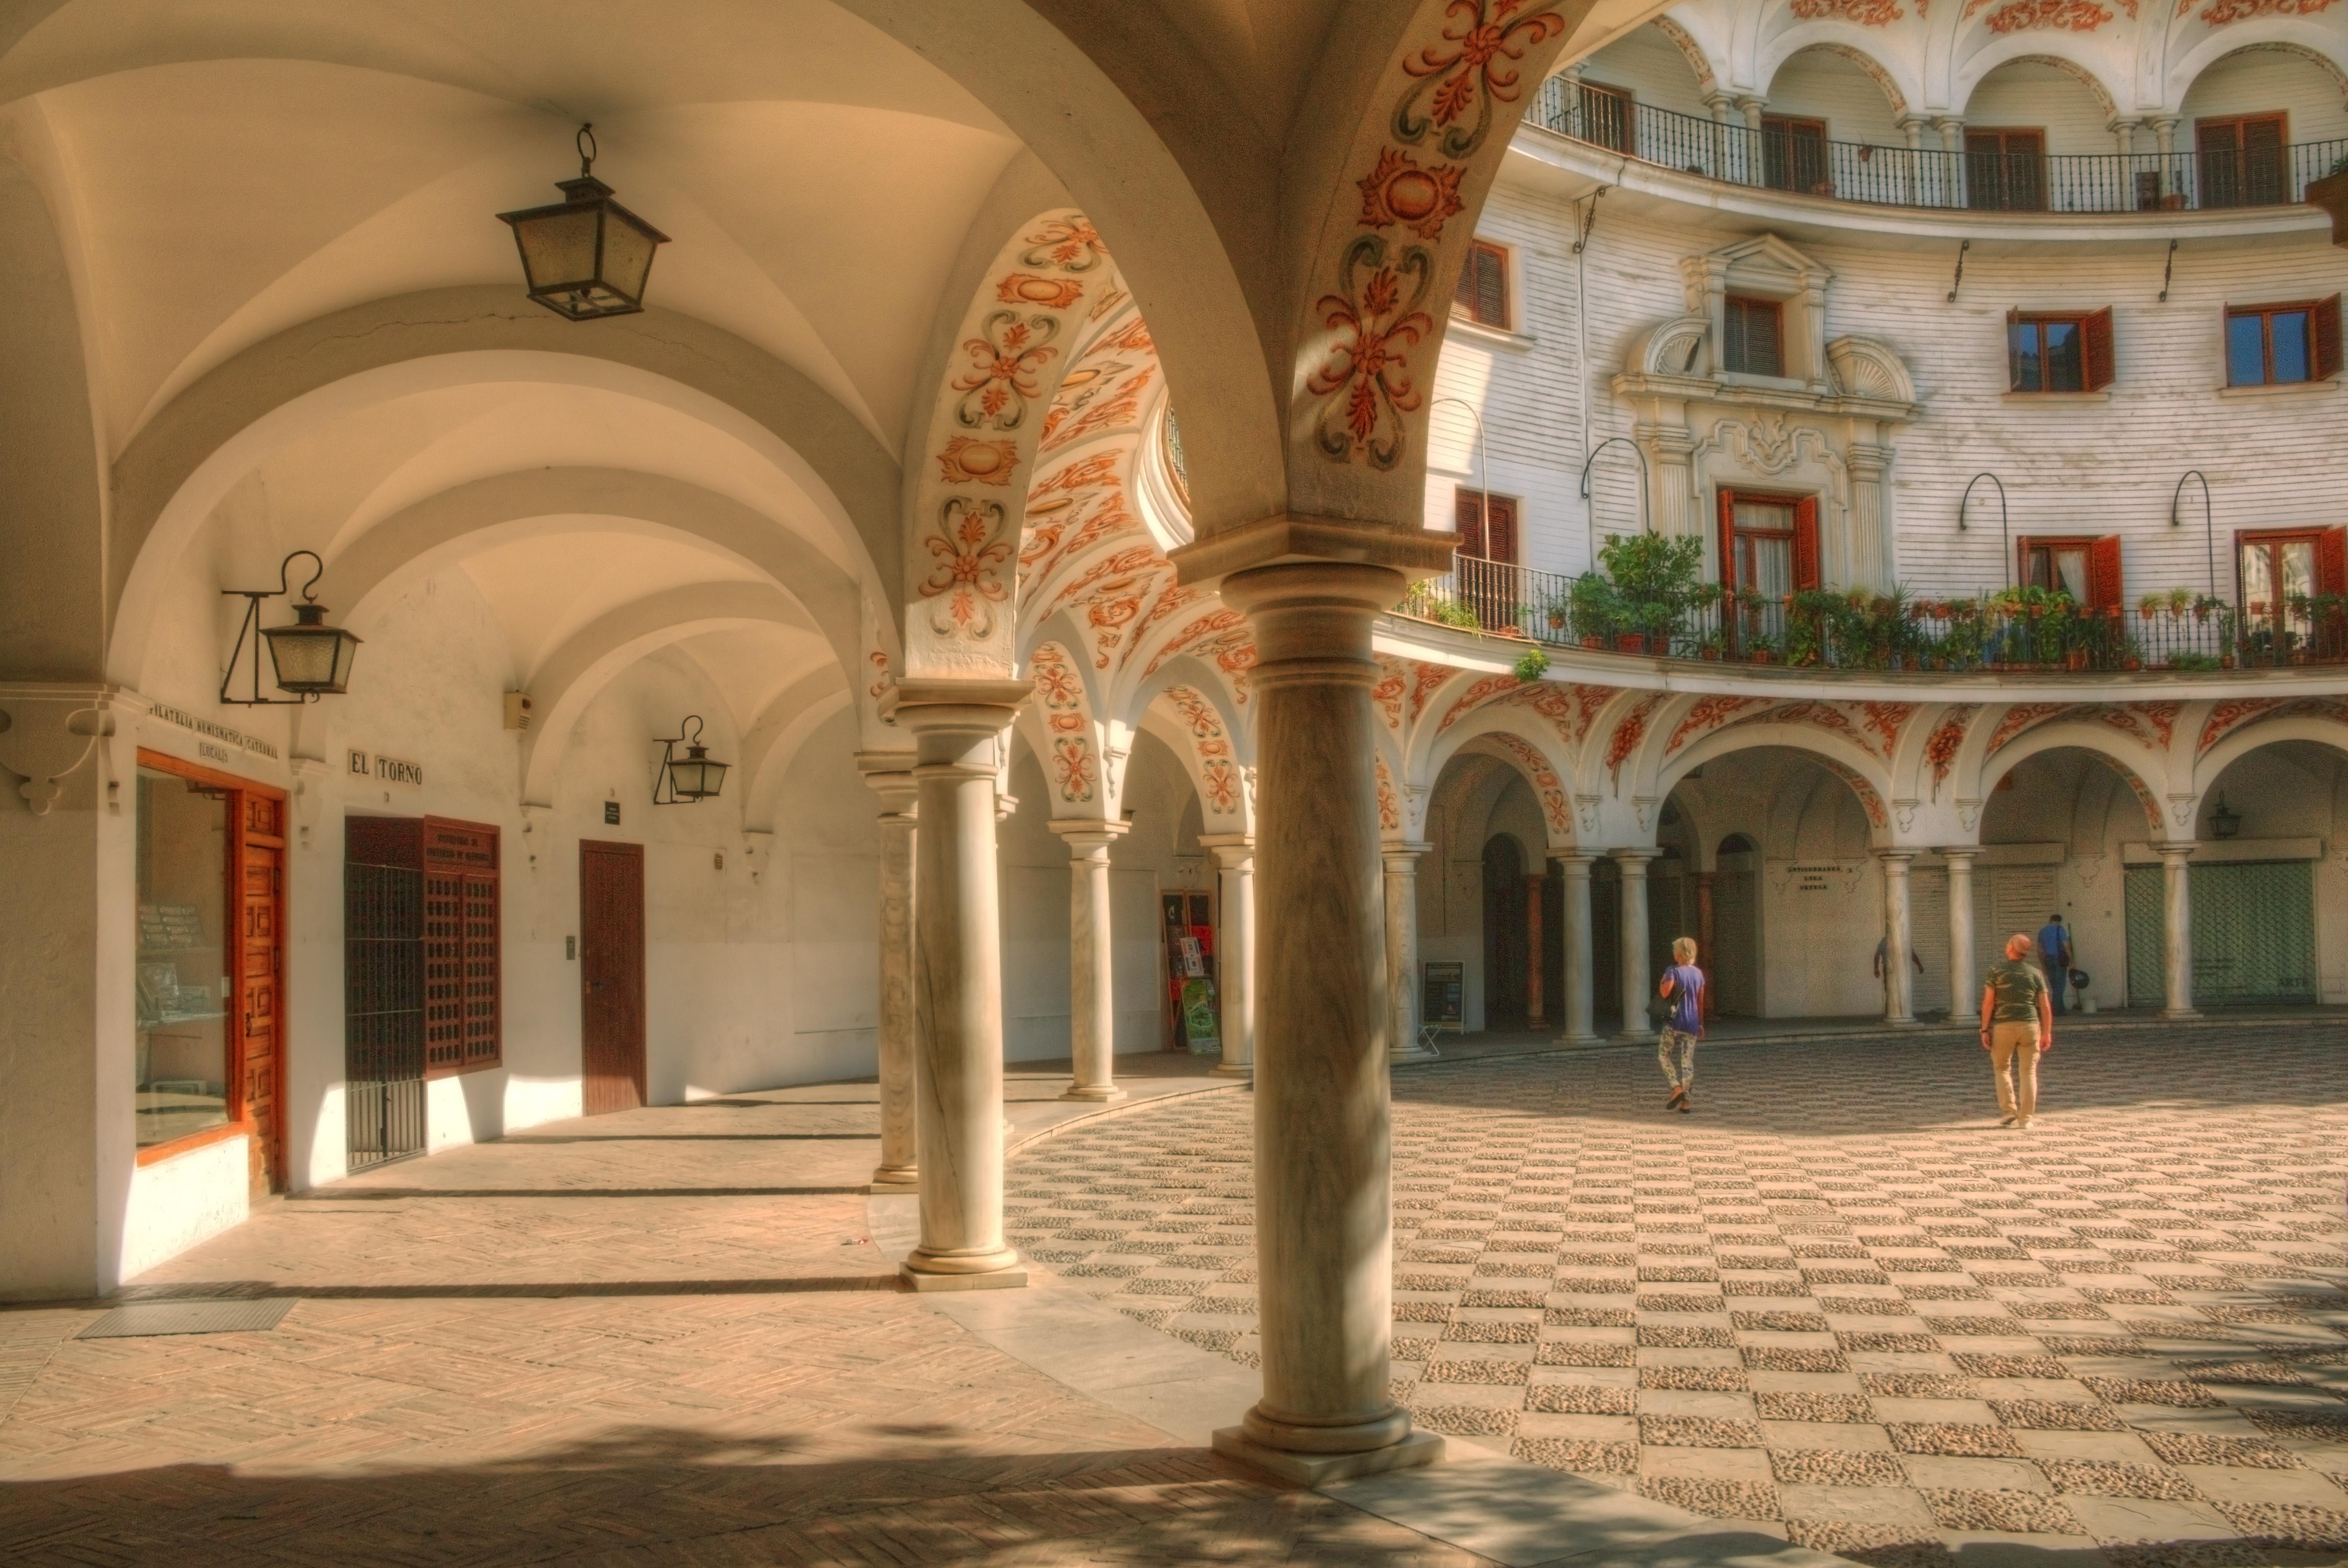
(2016, 630)
(1977, 182)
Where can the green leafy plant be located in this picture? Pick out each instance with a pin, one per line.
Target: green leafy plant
(1532, 666)
(1654, 578)
(2190, 661)
(2181, 599)
(1595, 609)
(1451, 612)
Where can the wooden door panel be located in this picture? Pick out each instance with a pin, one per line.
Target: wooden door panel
(257, 968)
(611, 976)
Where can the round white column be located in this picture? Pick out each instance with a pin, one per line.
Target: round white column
(889, 774)
(2177, 928)
(1092, 977)
(1636, 981)
(1235, 950)
(1402, 952)
(1580, 963)
(1323, 1202)
(957, 726)
(1898, 994)
(1965, 985)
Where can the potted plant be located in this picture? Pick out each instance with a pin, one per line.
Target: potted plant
(1594, 608)
(2149, 606)
(1710, 649)
(1532, 666)
(1761, 648)
(2180, 598)
(1655, 576)
(2207, 604)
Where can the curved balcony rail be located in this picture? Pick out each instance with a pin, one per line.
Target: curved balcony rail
(1834, 629)
(1995, 178)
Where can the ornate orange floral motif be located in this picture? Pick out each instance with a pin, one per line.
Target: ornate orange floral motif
(1094, 468)
(1123, 408)
(1173, 599)
(1374, 324)
(1133, 337)
(1387, 693)
(1072, 763)
(969, 550)
(1071, 244)
(1888, 720)
(2220, 12)
(2123, 721)
(1399, 192)
(1941, 750)
(1424, 678)
(1026, 288)
(1108, 301)
(1868, 800)
(1627, 734)
(2232, 712)
(1588, 700)
(1866, 12)
(1055, 683)
(881, 663)
(1212, 621)
(2017, 719)
(2067, 16)
(2144, 798)
(1198, 714)
(965, 461)
(1544, 780)
(1553, 703)
(1475, 698)
(1470, 70)
(1706, 713)
(2162, 717)
(1004, 362)
(1389, 809)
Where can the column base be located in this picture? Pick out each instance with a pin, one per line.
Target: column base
(1578, 1040)
(1012, 1278)
(1410, 1053)
(1097, 1093)
(2181, 1012)
(1231, 1070)
(888, 1179)
(1635, 1038)
(1320, 1470)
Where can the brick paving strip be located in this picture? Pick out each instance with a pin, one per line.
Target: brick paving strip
(1837, 1303)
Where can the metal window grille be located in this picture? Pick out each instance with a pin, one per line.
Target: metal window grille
(383, 1010)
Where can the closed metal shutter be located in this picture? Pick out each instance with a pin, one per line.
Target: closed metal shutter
(2253, 934)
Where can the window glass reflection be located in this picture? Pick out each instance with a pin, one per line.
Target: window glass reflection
(182, 972)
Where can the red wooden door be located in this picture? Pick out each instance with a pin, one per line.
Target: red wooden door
(259, 971)
(612, 975)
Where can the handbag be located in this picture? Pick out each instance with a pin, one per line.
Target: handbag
(1659, 1010)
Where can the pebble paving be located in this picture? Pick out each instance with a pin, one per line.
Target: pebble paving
(1838, 1300)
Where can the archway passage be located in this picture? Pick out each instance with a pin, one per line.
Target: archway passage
(1506, 970)
(1731, 946)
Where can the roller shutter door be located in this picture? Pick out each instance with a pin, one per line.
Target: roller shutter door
(2253, 934)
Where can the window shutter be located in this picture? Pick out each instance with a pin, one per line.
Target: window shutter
(2326, 325)
(2013, 350)
(1502, 538)
(1484, 286)
(1467, 512)
(1727, 537)
(2104, 585)
(1806, 542)
(2332, 560)
(463, 946)
(2095, 335)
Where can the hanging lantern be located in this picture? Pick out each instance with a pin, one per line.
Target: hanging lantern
(311, 658)
(2223, 823)
(696, 776)
(586, 257)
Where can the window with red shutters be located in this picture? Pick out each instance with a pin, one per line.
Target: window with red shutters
(1486, 525)
(2085, 566)
(2060, 351)
(2332, 560)
(2097, 332)
(1483, 294)
(2104, 581)
(463, 948)
(1806, 542)
(2327, 338)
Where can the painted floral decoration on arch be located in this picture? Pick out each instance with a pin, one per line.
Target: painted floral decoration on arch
(970, 551)
(1470, 70)
(1374, 323)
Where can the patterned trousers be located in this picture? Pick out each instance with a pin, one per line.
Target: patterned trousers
(1676, 1052)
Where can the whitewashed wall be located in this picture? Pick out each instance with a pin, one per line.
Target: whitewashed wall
(1819, 84)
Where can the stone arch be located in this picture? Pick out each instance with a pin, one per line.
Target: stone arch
(2032, 49)
(568, 679)
(1199, 732)
(1846, 42)
(179, 464)
(1857, 768)
(2329, 731)
(1699, 61)
(2113, 750)
(2287, 35)
(780, 731)
(1514, 736)
(1061, 728)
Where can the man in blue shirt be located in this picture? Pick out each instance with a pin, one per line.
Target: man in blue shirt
(2054, 958)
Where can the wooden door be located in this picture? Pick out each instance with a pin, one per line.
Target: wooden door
(259, 971)
(611, 976)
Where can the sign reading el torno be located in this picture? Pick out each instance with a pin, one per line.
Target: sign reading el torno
(386, 769)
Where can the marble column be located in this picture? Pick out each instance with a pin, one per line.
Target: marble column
(1951, 183)
(1092, 977)
(891, 776)
(1580, 964)
(2177, 928)
(1536, 977)
(1235, 949)
(957, 728)
(1705, 929)
(1403, 978)
(1898, 992)
(1965, 985)
(1636, 981)
(1324, 1205)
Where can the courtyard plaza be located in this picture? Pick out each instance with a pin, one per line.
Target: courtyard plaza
(1835, 1310)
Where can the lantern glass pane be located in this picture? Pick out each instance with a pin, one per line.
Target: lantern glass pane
(311, 658)
(558, 247)
(627, 254)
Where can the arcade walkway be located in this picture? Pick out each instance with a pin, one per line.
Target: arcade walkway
(667, 1337)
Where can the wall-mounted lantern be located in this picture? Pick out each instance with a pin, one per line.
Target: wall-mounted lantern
(2223, 823)
(692, 777)
(311, 658)
(586, 257)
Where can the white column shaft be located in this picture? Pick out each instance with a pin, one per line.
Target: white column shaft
(1402, 952)
(1581, 998)
(1235, 955)
(2177, 929)
(1965, 985)
(1898, 1004)
(1636, 978)
(1092, 981)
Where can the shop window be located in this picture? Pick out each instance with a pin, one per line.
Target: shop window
(2060, 353)
(2005, 171)
(2275, 345)
(462, 947)
(1753, 336)
(1606, 118)
(208, 971)
(1794, 155)
(2088, 569)
(2242, 160)
(2279, 572)
(1483, 296)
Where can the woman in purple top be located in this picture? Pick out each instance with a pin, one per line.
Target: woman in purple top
(1682, 987)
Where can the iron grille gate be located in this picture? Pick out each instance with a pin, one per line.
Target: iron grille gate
(383, 992)
(2253, 934)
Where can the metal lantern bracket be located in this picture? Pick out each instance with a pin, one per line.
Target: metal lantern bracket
(2004, 526)
(251, 626)
(1646, 517)
(688, 735)
(2209, 521)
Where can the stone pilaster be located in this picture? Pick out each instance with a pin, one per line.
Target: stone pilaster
(1898, 972)
(891, 776)
(1408, 1005)
(1235, 949)
(1965, 985)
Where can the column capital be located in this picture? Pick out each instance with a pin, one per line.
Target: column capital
(1959, 852)
(1405, 850)
(1576, 856)
(2164, 123)
(1898, 855)
(1634, 856)
(1087, 836)
(890, 775)
(2175, 848)
(1294, 540)
(2119, 122)
(956, 724)
(1232, 851)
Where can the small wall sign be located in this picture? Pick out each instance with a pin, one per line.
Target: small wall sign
(385, 770)
(1446, 993)
(610, 813)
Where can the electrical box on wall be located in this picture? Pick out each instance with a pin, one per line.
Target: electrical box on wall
(516, 710)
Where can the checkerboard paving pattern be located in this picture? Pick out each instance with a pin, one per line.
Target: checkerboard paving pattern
(1838, 1300)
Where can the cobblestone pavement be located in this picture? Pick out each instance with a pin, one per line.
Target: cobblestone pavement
(637, 1341)
(1838, 1299)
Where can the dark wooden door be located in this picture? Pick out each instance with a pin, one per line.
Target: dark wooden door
(259, 978)
(612, 975)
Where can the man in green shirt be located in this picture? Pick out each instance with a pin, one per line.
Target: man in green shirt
(2017, 1026)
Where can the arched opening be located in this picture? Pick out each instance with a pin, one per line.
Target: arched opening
(1507, 969)
(2245, 111)
(1732, 890)
(2019, 114)
(1630, 90)
(2060, 836)
(1833, 95)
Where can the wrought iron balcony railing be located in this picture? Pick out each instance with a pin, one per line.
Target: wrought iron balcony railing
(1832, 629)
(1789, 159)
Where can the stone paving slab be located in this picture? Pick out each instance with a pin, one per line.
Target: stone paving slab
(1837, 1300)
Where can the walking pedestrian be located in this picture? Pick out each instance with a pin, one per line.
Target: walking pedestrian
(1682, 987)
(2055, 956)
(2017, 1027)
